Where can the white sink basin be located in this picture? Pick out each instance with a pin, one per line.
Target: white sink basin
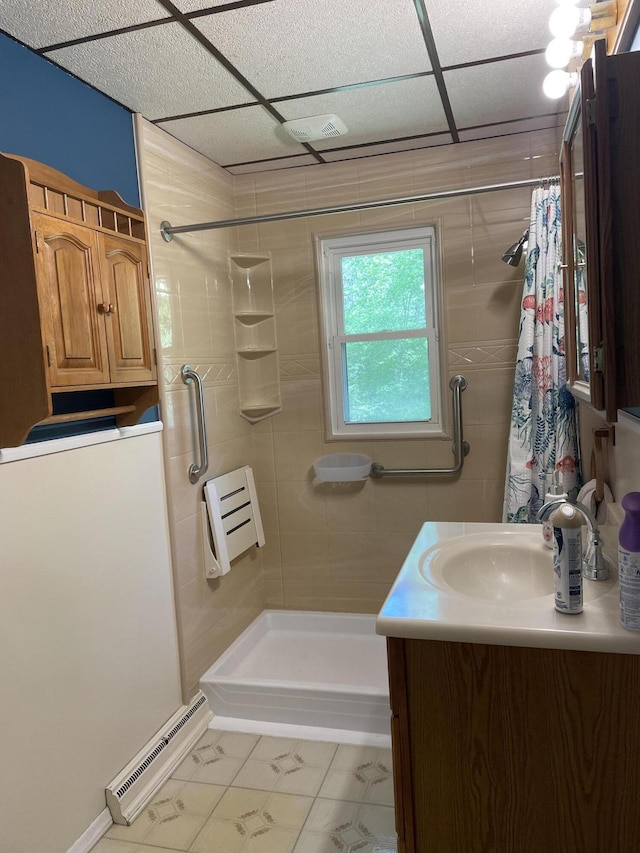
(501, 567)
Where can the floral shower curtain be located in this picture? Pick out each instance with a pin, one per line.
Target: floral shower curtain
(543, 435)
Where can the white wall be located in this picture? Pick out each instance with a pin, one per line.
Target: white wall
(88, 652)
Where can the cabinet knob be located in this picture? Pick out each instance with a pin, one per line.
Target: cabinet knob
(106, 308)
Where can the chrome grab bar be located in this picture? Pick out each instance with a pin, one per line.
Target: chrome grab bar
(460, 447)
(189, 375)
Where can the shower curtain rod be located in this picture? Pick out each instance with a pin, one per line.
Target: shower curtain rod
(167, 230)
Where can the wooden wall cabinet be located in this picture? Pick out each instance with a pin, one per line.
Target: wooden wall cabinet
(75, 301)
(600, 169)
(498, 748)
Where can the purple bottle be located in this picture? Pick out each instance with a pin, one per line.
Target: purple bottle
(629, 562)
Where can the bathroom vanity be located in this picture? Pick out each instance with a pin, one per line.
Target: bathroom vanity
(514, 727)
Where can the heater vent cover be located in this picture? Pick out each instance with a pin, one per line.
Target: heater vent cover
(313, 128)
(132, 789)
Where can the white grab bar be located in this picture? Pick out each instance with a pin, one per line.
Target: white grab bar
(460, 447)
(188, 375)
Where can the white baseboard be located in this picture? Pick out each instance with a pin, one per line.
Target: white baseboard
(92, 834)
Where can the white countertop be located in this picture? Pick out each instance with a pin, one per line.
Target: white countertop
(418, 609)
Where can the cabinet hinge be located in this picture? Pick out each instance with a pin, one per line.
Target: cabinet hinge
(155, 355)
(37, 236)
(48, 356)
(597, 355)
(591, 112)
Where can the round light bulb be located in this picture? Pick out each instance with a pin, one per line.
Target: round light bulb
(555, 84)
(564, 21)
(560, 52)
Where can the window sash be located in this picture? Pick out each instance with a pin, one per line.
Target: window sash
(331, 255)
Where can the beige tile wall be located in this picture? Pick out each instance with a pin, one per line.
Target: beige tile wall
(337, 546)
(193, 302)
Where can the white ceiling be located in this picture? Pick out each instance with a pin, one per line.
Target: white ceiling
(223, 76)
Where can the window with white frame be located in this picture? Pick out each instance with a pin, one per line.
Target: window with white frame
(380, 295)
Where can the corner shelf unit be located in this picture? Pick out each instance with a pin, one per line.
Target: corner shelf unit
(255, 336)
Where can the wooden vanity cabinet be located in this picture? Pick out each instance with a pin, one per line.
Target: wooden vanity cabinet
(600, 174)
(75, 302)
(498, 748)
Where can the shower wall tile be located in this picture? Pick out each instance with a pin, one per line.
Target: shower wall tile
(478, 500)
(489, 396)
(402, 216)
(301, 406)
(390, 178)
(188, 549)
(400, 505)
(301, 508)
(297, 328)
(365, 529)
(349, 506)
(193, 299)
(268, 503)
(498, 307)
(487, 264)
(367, 557)
(264, 468)
(293, 275)
(295, 452)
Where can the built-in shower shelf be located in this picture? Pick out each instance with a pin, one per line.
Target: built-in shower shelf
(258, 413)
(255, 336)
(255, 352)
(251, 317)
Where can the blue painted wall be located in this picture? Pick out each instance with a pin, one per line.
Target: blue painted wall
(50, 116)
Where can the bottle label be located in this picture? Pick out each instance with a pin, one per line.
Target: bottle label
(629, 576)
(567, 568)
(547, 533)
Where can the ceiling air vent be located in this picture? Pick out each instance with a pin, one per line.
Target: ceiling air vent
(313, 128)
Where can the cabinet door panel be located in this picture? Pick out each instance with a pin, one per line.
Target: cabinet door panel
(129, 323)
(69, 290)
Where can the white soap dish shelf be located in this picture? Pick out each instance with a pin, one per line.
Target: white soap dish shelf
(342, 467)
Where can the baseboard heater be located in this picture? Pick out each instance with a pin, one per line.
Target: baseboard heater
(132, 789)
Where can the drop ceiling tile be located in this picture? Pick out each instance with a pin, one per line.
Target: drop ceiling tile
(500, 91)
(197, 5)
(387, 148)
(234, 136)
(48, 22)
(376, 113)
(158, 72)
(296, 46)
(467, 32)
(274, 165)
(508, 128)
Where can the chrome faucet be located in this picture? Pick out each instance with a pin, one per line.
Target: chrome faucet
(594, 566)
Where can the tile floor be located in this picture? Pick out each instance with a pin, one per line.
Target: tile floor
(241, 793)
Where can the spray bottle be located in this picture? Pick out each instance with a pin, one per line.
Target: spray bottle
(567, 558)
(629, 562)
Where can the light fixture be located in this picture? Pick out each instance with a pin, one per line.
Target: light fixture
(575, 30)
(513, 255)
(568, 20)
(557, 83)
(560, 52)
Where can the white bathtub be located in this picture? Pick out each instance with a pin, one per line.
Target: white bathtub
(304, 674)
